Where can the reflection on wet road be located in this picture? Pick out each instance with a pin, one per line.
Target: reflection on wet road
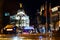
(24, 37)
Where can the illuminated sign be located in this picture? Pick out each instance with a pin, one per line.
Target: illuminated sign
(7, 14)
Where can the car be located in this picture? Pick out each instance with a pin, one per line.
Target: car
(28, 30)
(8, 29)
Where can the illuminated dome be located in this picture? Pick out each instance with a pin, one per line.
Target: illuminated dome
(20, 12)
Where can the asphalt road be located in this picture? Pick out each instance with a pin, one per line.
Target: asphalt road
(24, 37)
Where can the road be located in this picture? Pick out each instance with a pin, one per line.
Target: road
(24, 37)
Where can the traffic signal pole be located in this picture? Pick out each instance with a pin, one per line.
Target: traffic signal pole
(50, 11)
(45, 14)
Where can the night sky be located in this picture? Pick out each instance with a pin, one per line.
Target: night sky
(30, 6)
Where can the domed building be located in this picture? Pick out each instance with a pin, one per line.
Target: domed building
(20, 19)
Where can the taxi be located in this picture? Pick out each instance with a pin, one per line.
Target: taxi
(9, 29)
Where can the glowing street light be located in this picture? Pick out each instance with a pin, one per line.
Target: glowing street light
(54, 9)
